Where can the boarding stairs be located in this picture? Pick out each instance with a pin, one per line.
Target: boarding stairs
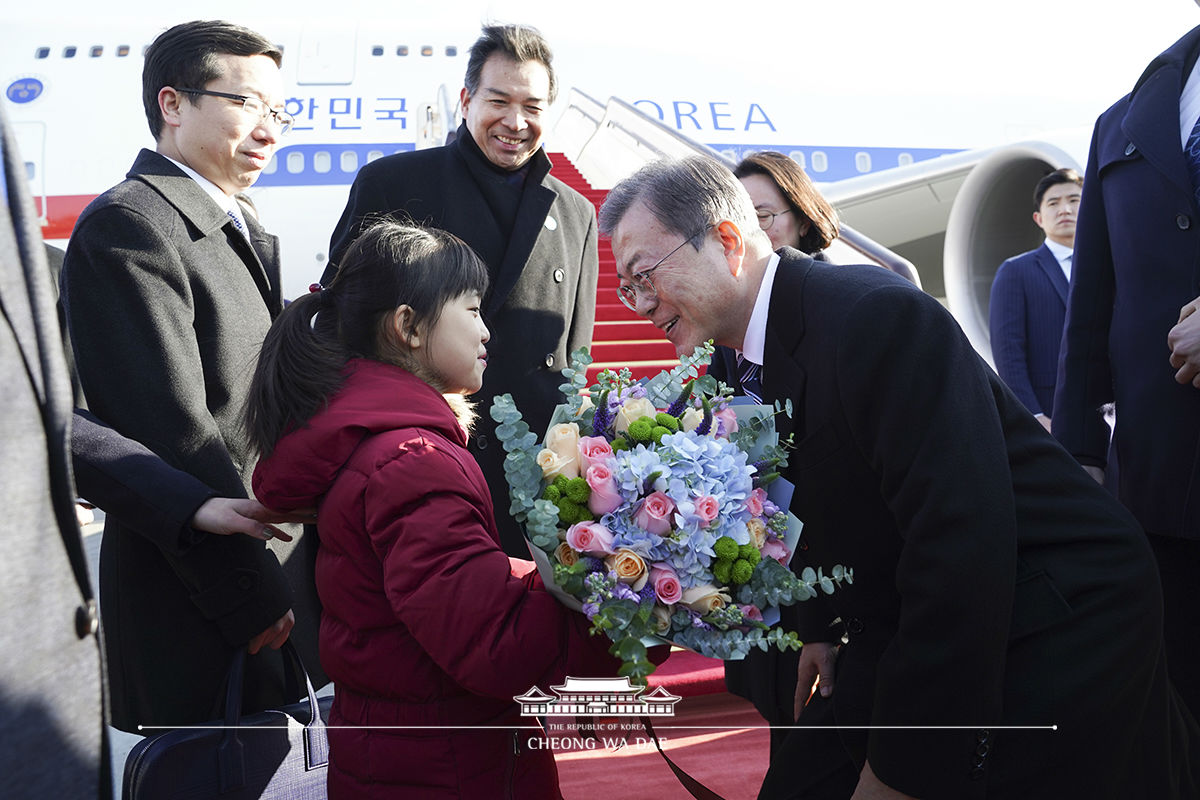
(621, 338)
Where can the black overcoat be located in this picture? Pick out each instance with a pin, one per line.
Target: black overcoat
(167, 306)
(995, 583)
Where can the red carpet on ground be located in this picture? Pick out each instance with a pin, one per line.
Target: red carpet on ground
(717, 738)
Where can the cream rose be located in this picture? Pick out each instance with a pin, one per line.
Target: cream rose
(758, 532)
(704, 599)
(629, 567)
(566, 555)
(631, 410)
(661, 617)
(553, 464)
(563, 441)
(691, 418)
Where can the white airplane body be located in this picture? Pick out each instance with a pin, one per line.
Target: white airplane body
(954, 207)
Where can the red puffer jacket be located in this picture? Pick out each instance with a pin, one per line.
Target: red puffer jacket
(423, 623)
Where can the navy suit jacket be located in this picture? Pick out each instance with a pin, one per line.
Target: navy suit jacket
(1026, 314)
(1137, 261)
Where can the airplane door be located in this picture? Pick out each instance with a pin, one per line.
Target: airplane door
(31, 144)
(327, 55)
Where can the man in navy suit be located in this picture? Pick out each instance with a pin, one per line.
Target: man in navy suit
(996, 585)
(1137, 251)
(1029, 298)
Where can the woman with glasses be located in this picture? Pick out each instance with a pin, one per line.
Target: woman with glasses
(790, 209)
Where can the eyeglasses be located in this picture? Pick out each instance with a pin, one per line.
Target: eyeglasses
(767, 218)
(254, 106)
(640, 283)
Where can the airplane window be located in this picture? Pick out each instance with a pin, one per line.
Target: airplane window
(322, 163)
(798, 157)
(426, 50)
(372, 155)
(402, 50)
(69, 52)
(295, 163)
(30, 170)
(42, 52)
(451, 50)
(904, 159)
(820, 161)
(349, 161)
(122, 51)
(97, 51)
(377, 50)
(862, 162)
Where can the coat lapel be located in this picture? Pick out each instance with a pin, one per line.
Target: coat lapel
(783, 378)
(1155, 98)
(1049, 265)
(194, 205)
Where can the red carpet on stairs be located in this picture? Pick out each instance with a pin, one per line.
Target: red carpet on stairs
(621, 338)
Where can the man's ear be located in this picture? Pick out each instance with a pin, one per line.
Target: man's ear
(1037, 219)
(464, 99)
(169, 102)
(733, 243)
(403, 327)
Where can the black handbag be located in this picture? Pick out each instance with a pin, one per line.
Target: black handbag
(282, 753)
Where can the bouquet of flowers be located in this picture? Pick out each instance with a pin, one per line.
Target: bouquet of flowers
(658, 511)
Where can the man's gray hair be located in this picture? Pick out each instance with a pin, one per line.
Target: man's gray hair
(684, 195)
(520, 43)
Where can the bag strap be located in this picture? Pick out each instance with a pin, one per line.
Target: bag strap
(231, 759)
(694, 787)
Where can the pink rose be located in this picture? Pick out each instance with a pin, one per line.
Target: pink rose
(751, 612)
(654, 515)
(754, 503)
(605, 496)
(773, 548)
(666, 584)
(725, 423)
(590, 537)
(707, 508)
(594, 449)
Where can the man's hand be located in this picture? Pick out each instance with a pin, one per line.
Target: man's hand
(274, 636)
(1184, 343)
(871, 788)
(229, 515)
(817, 660)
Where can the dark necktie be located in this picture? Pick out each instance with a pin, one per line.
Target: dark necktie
(1192, 156)
(750, 376)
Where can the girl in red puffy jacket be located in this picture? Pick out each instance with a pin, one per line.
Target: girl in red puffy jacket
(357, 407)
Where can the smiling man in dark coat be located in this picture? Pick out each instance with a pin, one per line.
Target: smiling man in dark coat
(492, 188)
(169, 288)
(995, 584)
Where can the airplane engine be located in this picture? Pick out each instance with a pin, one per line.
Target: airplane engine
(990, 221)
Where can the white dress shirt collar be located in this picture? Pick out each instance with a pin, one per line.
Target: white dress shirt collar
(226, 203)
(755, 340)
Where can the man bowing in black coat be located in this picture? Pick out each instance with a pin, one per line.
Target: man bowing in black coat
(1003, 636)
(493, 189)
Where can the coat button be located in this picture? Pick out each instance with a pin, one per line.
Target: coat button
(87, 623)
(982, 735)
(549, 359)
(1183, 221)
(977, 774)
(559, 275)
(245, 583)
(854, 625)
(481, 442)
